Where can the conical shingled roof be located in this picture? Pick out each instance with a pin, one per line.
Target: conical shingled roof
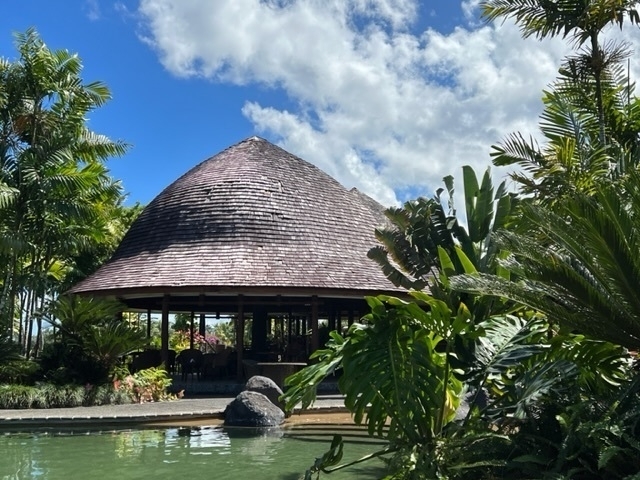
(253, 215)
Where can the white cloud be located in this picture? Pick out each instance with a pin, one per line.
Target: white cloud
(469, 8)
(92, 10)
(379, 105)
(123, 11)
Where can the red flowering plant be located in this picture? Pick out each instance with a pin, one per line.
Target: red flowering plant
(181, 340)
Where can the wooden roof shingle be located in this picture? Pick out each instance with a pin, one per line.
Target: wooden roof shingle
(253, 215)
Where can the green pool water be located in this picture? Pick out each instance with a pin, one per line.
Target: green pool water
(180, 453)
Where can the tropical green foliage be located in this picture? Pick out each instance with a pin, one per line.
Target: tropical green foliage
(147, 385)
(9, 351)
(399, 380)
(89, 340)
(225, 332)
(404, 365)
(58, 396)
(397, 343)
(23, 372)
(85, 261)
(14, 367)
(581, 20)
(395, 379)
(591, 118)
(579, 263)
(567, 433)
(598, 439)
(410, 251)
(573, 159)
(57, 199)
(427, 243)
(549, 390)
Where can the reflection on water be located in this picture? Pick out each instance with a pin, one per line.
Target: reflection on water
(190, 452)
(131, 443)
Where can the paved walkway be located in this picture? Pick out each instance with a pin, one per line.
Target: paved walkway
(185, 409)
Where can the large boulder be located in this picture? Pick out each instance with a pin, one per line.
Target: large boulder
(252, 409)
(267, 387)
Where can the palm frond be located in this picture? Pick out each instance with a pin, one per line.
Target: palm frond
(508, 341)
(581, 263)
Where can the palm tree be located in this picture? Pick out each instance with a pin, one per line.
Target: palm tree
(582, 21)
(576, 258)
(573, 159)
(99, 243)
(55, 191)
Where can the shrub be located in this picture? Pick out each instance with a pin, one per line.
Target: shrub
(56, 396)
(19, 371)
(18, 396)
(65, 363)
(148, 385)
(105, 395)
(89, 340)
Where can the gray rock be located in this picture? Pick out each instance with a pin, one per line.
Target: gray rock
(252, 409)
(267, 387)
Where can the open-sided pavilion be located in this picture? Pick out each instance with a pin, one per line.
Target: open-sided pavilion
(252, 232)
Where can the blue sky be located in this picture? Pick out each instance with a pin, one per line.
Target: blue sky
(171, 123)
(385, 95)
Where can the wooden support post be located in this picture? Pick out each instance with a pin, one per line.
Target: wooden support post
(240, 338)
(191, 328)
(148, 323)
(202, 328)
(315, 340)
(164, 331)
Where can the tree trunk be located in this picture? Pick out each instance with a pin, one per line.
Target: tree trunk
(24, 320)
(21, 325)
(38, 345)
(597, 65)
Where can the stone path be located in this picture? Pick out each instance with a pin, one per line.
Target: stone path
(177, 410)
